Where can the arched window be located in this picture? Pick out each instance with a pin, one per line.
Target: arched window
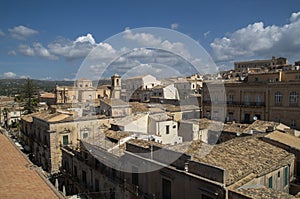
(278, 98)
(294, 97)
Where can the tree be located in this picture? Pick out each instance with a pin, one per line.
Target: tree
(5, 115)
(29, 92)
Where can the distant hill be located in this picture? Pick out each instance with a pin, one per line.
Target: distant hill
(11, 87)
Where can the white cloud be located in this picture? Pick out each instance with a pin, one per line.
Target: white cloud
(206, 34)
(150, 40)
(37, 49)
(9, 75)
(142, 38)
(12, 53)
(24, 77)
(68, 49)
(257, 40)
(295, 16)
(26, 50)
(174, 26)
(2, 33)
(22, 32)
(88, 38)
(41, 51)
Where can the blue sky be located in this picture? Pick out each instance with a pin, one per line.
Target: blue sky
(50, 39)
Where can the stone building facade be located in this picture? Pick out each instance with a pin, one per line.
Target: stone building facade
(83, 91)
(96, 171)
(271, 97)
(243, 66)
(44, 133)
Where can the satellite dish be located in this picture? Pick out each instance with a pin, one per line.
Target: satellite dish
(254, 118)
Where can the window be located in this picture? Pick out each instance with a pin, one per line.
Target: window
(230, 116)
(84, 177)
(166, 189)
(286, 176)
(278, 174)
(167, 129)
(97, 163)
(45, 140)
(271, 182)
(97, 185)
(293, 124)
(230, 99)
(65, 140)
(75, 171)
(85, 135)
(257, 100)
(174, 126)
(247, 99)
(206, 197)
(278, 98)
(135, 176)
(294, 96)
(256, 79)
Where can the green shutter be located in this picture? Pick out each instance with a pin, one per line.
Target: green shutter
(286, 176)
(271, 182)
(65, 140)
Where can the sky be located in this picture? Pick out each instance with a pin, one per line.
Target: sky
(52, 39)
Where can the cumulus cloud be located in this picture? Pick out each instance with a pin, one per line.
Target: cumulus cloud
(174, 26)
(41, 51)
(26, 50)
(257, 40)
(9, 75)
(22, 32)
(12, 53)
(295, 16)
(150, 40)
(146, 39)
(24, 77)
(79, 48)
(88, 38)
(37, 49)
(206, 34)
(2, 33)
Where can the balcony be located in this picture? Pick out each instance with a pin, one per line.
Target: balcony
(293, 104)
(278, 104)
(138, 191)
(134, 189)
(253, 104)
(235, 103)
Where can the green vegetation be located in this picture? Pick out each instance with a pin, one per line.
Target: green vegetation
(12, 87)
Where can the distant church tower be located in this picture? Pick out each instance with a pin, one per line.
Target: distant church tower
(116, 87)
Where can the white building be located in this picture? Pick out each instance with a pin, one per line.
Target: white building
(165, 92)
(141, 82)
(160, 125)
(185, 87)
(132, 123)
(137, 88)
